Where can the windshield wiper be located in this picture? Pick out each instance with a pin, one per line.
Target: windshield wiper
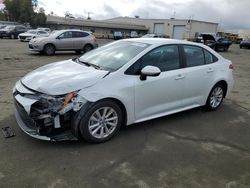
(87, 63)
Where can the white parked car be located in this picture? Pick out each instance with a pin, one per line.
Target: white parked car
(31, 34)
(44, 29)
(124, 82)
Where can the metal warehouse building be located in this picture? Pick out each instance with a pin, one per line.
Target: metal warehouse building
(103, 28)
(175, 28)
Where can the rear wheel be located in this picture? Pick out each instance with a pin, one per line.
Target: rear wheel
(215, 97)
(49, 49)
(101, 122)
(87, 48)
(78, 51)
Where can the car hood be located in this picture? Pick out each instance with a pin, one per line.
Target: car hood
(27, 34)
(62, 77)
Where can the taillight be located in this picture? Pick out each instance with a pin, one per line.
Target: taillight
(231, 66)
(94, 39)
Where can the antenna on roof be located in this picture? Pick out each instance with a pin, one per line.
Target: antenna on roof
(88, 13)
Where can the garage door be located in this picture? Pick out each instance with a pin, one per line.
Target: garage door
(178, 31)
(159, 28)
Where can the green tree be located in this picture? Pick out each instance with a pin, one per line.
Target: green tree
(39, 18)
(24, 11)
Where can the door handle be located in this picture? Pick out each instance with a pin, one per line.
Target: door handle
(210, 70)
(179, 77)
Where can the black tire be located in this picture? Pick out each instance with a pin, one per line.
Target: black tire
(87, 48)
(49, 49)
(78, 51)
(211, 107)
(85, 121)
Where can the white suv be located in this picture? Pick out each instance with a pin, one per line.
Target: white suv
(123, 82)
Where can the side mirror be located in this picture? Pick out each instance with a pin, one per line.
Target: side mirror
(149, 71)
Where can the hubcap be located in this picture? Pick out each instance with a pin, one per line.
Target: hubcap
(87, 48)
(216, 97)
(49, 49)
(103, 122)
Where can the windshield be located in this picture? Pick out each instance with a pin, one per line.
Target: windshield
(32, 31)
(10, 27)
(114, 55)
(56, 33)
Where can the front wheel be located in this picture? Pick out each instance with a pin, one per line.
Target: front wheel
(215, 97)
(49, 49)
(101, 122)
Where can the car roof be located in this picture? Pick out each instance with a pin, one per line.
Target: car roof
(160, 41)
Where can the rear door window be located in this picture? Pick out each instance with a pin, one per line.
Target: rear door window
(77, 34)
(209, 58)
(194, 56)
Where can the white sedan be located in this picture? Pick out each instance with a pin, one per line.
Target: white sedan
(121, 83)
(31, 34)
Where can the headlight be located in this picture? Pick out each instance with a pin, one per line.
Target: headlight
(78, 101)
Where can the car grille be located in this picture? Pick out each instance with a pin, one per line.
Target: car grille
(24, 115)
(31, 47)
(22, 37)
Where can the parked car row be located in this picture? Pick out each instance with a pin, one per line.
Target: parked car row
(14, 31)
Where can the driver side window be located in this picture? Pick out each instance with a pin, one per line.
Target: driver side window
(166, 58)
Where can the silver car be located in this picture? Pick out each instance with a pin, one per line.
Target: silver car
(64, 40)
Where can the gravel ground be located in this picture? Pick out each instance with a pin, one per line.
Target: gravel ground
(189, 149)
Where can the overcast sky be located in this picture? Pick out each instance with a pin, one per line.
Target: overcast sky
(231, 14)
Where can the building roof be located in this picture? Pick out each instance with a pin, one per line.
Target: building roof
(126, 18)
(93, 23)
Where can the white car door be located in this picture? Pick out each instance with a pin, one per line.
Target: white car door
(200, 71)
(162, 94)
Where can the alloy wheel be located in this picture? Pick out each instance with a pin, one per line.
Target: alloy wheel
(216, 97)
(103, 122)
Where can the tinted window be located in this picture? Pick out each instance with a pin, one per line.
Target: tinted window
(194, 56)
(79, 34)
(209, 58)
(165, 58)
(19, 28)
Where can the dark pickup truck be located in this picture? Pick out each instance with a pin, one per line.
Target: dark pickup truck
(214, 42)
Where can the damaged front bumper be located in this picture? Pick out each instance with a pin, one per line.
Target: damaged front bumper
(43, 117)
